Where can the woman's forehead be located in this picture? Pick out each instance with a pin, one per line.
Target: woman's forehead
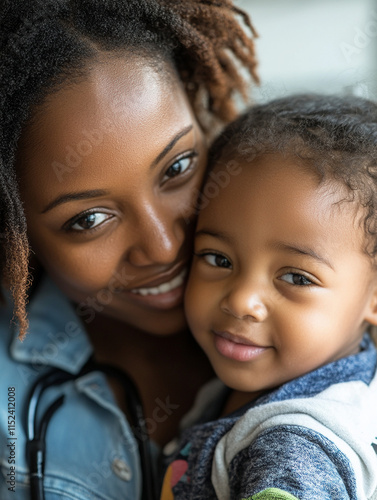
(129, 98)
(110, 88)
(116, 124)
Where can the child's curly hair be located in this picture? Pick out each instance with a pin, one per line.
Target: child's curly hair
(45, 43)
(336, 137)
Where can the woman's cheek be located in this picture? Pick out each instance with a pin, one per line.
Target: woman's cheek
(81, 271)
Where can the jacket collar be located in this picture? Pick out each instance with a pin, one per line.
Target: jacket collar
(56, 336)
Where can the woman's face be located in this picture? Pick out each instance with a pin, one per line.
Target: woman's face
(109, 173)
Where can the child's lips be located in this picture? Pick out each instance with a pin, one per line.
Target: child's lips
(236, 338)
(236, 347)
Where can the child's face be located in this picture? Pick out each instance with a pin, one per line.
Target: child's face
(280, 283)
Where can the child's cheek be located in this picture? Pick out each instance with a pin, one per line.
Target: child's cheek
(195, 303)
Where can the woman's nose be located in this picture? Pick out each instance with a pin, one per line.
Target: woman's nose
(158, 238)
(245, 301)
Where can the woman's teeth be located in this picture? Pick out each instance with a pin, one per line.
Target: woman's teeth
(164, 287)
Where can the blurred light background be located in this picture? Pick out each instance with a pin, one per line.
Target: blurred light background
(325, 46)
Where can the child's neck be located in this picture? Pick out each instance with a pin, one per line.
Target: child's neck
(238, 399)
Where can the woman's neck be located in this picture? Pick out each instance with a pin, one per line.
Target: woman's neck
(168, 370)
(115, 342)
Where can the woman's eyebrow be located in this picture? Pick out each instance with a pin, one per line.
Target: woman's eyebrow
(171, 144)
(82, 195)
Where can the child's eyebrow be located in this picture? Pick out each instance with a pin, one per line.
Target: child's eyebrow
(302, 250)
(214, 234)
(291, 248)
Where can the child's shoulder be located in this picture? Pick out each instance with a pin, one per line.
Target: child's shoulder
(337, 425)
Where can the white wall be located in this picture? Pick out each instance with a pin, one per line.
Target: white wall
(315, 45)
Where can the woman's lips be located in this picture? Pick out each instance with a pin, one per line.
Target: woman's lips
(236, 347)
(164, 296)
(173, 283)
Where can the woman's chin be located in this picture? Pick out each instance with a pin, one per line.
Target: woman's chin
(159, 323)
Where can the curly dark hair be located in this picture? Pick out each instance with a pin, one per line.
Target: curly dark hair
(45, 43)
(335, 137)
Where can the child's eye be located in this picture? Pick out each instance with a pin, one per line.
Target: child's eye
(216, 260)
(87, 221)
(180, 166)
(296, 279)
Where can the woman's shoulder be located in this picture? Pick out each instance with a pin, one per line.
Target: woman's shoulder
(90, 449)
(55, 337)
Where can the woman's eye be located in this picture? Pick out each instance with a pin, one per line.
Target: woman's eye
(88, 221)
(178, 167)
(217, 260)
(296, 279)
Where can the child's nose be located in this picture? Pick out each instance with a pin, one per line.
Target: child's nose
(245, 301)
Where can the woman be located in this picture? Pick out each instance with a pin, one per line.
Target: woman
(105, 109)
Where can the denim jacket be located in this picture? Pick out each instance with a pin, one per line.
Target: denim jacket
(91, 452)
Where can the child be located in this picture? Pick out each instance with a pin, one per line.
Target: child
(283, 287)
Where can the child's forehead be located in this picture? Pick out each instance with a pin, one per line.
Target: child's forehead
(278, 194)
(287, 179)
(268, 167)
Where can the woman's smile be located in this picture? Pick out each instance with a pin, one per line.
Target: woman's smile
(165, 295)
